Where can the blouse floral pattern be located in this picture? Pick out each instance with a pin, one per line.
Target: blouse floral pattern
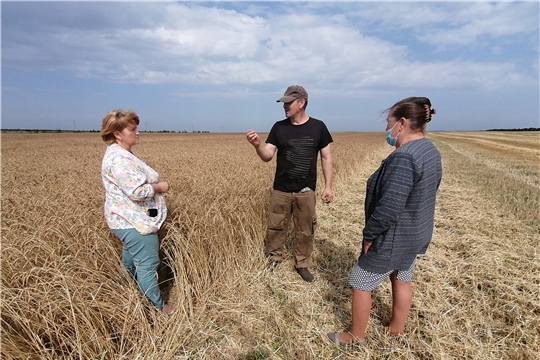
(128, 193)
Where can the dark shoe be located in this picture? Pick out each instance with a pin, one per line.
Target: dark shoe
(305, 274)
(272, 264)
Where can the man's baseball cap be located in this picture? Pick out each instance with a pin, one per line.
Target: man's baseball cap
(293, 92)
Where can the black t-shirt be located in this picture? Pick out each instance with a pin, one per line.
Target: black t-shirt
(298, 148)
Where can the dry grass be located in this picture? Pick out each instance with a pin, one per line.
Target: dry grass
(476, 291)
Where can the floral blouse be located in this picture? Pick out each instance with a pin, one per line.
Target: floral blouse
(128, 193)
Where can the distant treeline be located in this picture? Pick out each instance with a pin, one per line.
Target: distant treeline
(93, 131)
(180, 132)
(522, 129)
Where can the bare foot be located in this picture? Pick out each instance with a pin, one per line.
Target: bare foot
(168, 308)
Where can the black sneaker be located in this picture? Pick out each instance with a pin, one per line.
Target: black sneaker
(272, 264)
(305, 274)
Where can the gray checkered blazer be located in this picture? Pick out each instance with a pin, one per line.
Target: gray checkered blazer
(400, 207)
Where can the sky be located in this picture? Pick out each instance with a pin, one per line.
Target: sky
(221, 66)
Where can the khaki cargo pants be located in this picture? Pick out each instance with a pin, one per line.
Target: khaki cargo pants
(301, 206)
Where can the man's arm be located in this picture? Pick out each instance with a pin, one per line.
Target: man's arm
(265, 151)
(328, 173)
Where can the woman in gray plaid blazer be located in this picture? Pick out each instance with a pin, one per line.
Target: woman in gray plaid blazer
(399, 217)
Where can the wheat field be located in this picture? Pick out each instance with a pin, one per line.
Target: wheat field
(63, 295)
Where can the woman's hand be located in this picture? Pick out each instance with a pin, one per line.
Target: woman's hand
(160, 187)
(365, 247)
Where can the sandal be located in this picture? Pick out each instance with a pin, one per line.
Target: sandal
(334, 338)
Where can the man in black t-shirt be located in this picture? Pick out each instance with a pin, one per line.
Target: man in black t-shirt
(298, 139)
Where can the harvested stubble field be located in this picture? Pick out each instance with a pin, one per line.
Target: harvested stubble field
(476, 291)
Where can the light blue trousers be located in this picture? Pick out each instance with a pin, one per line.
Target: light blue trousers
(140, 257)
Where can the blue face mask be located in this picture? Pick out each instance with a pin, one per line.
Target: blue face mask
(389, 139)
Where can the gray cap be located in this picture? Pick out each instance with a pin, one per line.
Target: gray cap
(293, 92)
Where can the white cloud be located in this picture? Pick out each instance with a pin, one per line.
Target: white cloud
(194, 45)
(452, 24)
(493, 20)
